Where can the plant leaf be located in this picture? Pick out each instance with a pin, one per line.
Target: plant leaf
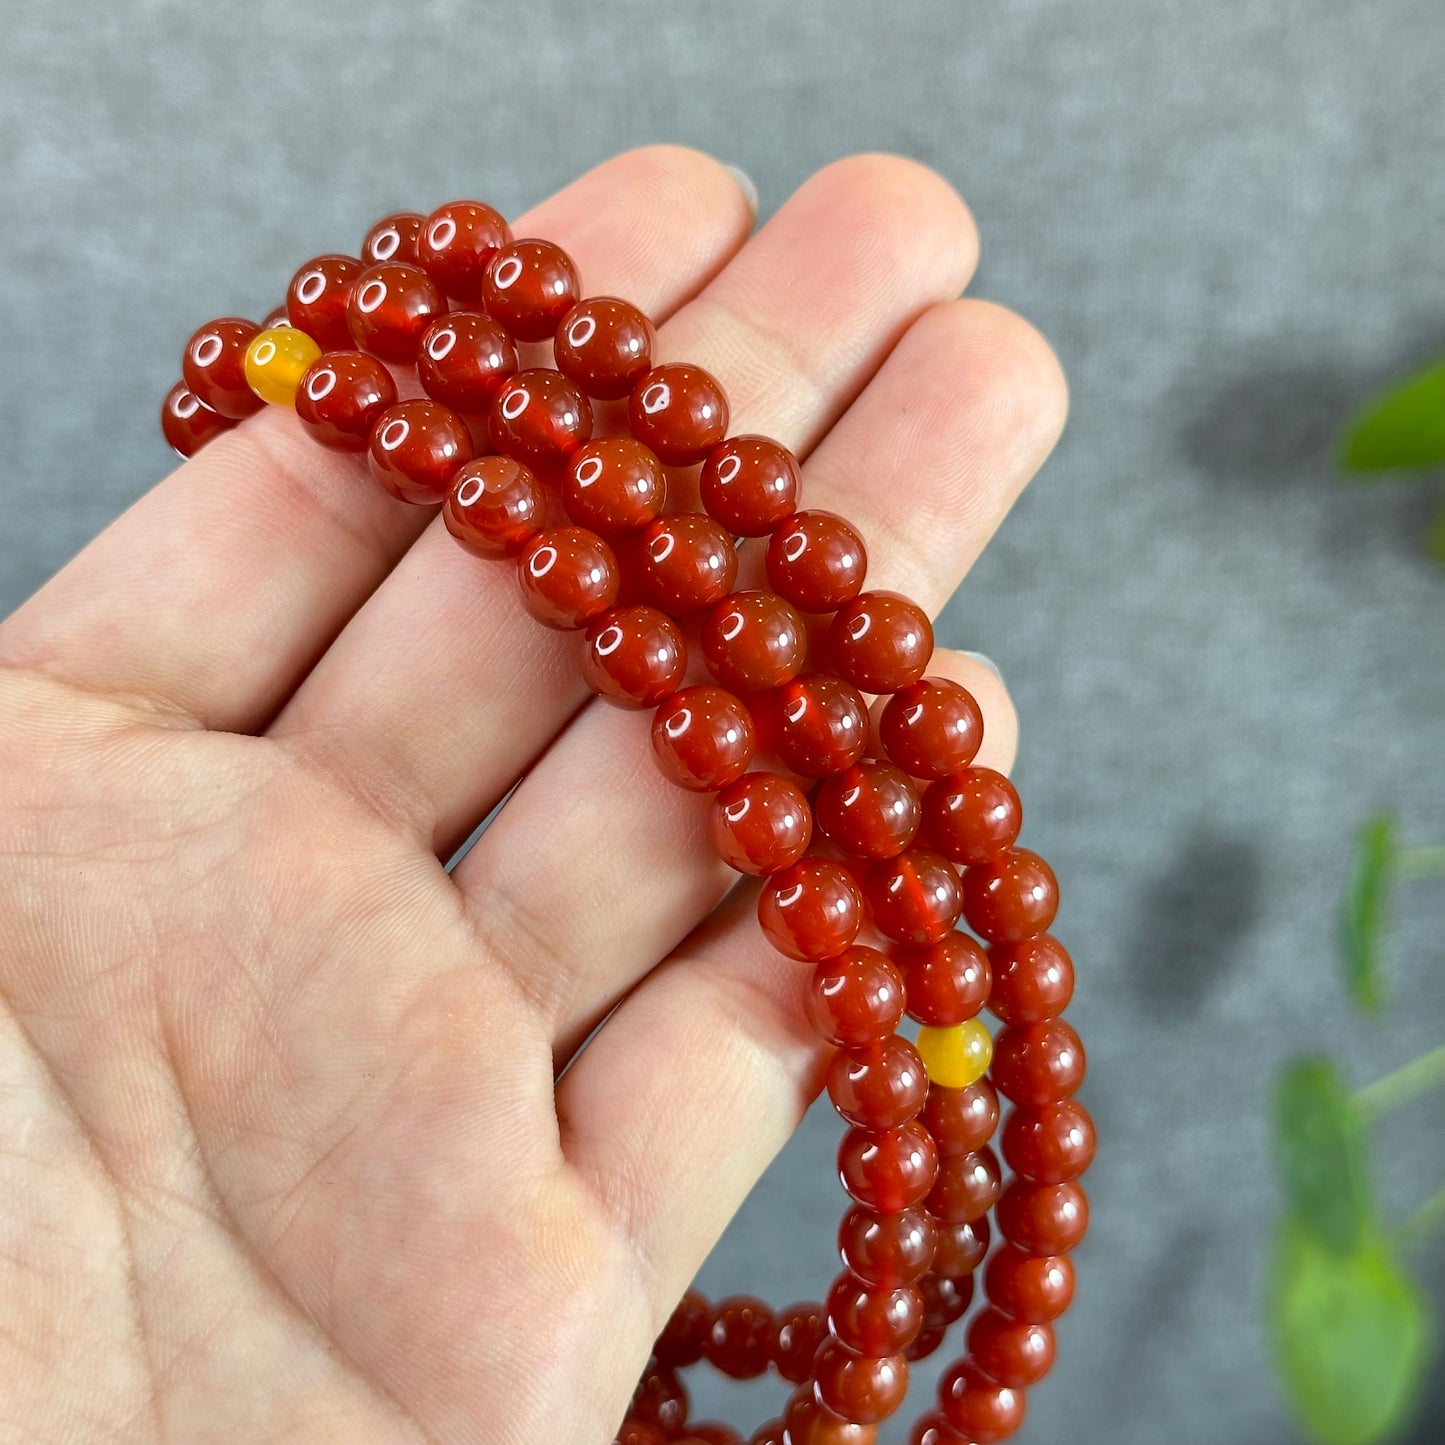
(1362, 914)
(1320, 1153)
(1401, 427)
(1351, 1336)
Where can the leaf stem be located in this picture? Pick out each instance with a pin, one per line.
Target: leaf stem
(1417, 1077)
(1423, 1222)
(1422, 862)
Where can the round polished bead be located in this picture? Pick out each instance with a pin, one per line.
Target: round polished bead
(855, 998)
(760, 824)
(683, 1336)
(915, 897)
(568, 577)
(1043, 1218)
(878, 1085)
(873, 1319)
(605, 345)
(661, 1398)
(342, 396)
(529, 286)
(861, 1388)
(213, 366)
(1036, 1064)
(932, 729)
(887, 1249)
(416, 448)
(948, 981)
(881, 642)
(958, 1056)
(186, 424)
(753, 641)
(279, 316)
(945, 1298)
(770, 1432)
(806, 1422)
(389, 307)
(464, 360)
(703, 738)
(817, 561)
(932, 1428)
(1014, 895)
(801, 1329)
(685, 562)
(811, 911)
(961, 1248)
(613, 485)
(925, 1343)
(456, 244)
(276, 360)
(1016, 1353)
(750, 484)
(539, 418)
(1033, 979)
(634, 656)
(680, 411)
(961, 1120)
(1031, 1287)
(634, 1431)
(972, 816)
(739, 1341)
(869, 811)
(393, 238)
(967, 1187)
(316, 299)
(980, 1409)
(494, 506)
(818, 724)
(1050, 1144)
(888, 1169)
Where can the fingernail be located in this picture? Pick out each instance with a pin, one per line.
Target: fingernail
(746, 186)
(985, 661)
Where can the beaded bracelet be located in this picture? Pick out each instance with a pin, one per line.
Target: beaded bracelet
(832, 828)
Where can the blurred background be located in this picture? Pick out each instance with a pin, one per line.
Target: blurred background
(1227, 218)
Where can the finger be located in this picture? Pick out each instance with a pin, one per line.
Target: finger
(215, 593)
(927, 462)
(442, 681)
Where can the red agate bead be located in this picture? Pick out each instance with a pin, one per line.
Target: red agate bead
(945, 1299)
(186, 423)
(749, 484)
(393, 238)
(915, 897)
(979, 1408)
(887, 1249)
(967, 1187)
(972, 816)
(739, 1340)
(494, 506)
(1030, 1286)
(685, 562)
(856, 997)
(539, 418)
(613, 485)
(812, 910)
(818, 724)
(878, 1085)
(568, 576)
(605, 345)
(1016, 1353)
(801, 1329)
(961, 1120)
(860, 1388)
(1014, 895)
(341, 396)
(634, 656)
(932, 728)
(389, 307)
(961, 1247)
(635, 1431)
(870, 810)
(881, 642)
(661, 1398)
(888, 1169)
(529, 286)
(1043, 1218)
(214, 367)
(464, 360)
(682, 1337)
(316, 299)
(806, 1422)
(703, 738)
(948, 980)
(416, 448)
(1035, 1064)
(680, 411)
(456, 244)
(1033, 979)
(753, 641)
(817, 561)
(760, 824)
(1049, 1143)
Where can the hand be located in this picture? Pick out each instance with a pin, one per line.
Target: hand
(283, 1151)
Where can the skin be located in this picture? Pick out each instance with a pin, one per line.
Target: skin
(284, 1153)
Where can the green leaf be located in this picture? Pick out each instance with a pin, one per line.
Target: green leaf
(1435, 537)
(1320, 1153)
(1351, 1336)
(1402, 427)
(1362, 915)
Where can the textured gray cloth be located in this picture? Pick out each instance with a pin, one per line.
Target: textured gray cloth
(1228, 219)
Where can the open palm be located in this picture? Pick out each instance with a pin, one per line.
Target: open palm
(284, 1150)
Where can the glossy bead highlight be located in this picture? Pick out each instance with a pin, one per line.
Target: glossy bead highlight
(568, 576)
(214, 367)
(416, 447)
(456, 244)
(539, 418)
(275, 362)
(529, 286)
(811, 911)
(316, 299)
(186, 424)
(881, 642)
(750, 484)
(760, 824)
(389, 308)
(956, 1057)
(680, 411)
(464, 360)
(494, 506)
(341, 397)
(634, 656)
(703, 738)
(605, 345)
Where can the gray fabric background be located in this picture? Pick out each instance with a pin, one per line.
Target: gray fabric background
(1228, 218)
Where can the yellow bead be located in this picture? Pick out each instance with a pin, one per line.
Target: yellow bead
(957, 1057)
(276, 360)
